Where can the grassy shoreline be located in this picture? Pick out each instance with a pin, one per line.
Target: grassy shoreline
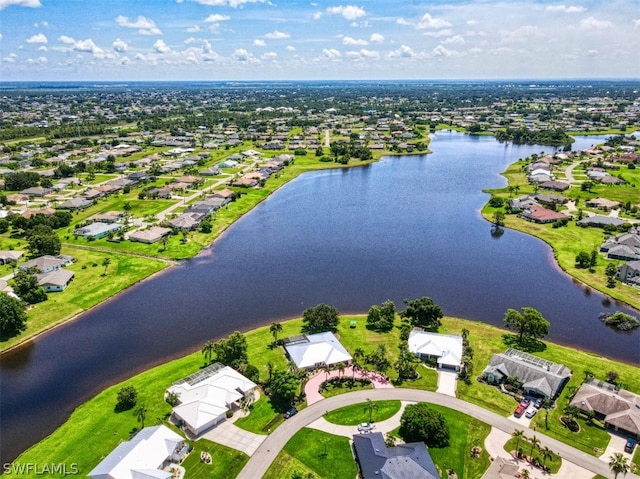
(94, 429)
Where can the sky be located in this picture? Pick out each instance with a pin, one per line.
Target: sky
(112, 40)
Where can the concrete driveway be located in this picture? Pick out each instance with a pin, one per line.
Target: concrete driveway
(447, 382)
(230, 435)
(616, 444)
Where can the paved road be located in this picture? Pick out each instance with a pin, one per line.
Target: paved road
(569, 171)
(267, 452)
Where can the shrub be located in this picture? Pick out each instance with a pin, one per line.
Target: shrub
(420, 423)
(127, 398)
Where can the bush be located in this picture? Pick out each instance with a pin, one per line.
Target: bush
(496, 202)
(420, 423)
(127, 398)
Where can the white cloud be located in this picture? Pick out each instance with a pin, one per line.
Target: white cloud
(403, 52)
(402, 21)
(269, 56)
(441, 51)
(259, 43)
(86, 46)
(350, 12)
(291, 48)
(10, 58)
(42, 48)
(317, 15)
(66, 40)
(362, 54)
(38, 38)
(471, 22)
(428, 21)
(226, 3)
(331, 53)
(20, 3)
(439, 33)
(243, 56)
(161, 47)
(376, 38)
(636, 23)
(455, 40)
(120, 45)
(353, 41)
(144, 25)
(216, 17)
(522, 34)
(37, 61)
(565, 9)
(593, 23)
(276, 35)
(41, 24)
(206, 47)
(193, 29)
(191, 40)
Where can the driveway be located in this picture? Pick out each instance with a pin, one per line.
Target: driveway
(447, 382)
(230, 435)
(616, 444)
(265, 454)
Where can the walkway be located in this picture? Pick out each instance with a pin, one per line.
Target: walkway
(265, 454)
(312, 388)
(447, 382)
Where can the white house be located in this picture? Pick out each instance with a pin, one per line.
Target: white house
(311, 351)
(144, 456)
(206, 396)
(446, 348)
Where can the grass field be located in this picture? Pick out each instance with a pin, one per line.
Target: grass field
(226, 462)
(358, 413)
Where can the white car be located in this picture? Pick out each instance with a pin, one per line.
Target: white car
(365, 427)
(531, 411)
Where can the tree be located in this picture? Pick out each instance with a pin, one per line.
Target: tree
(546, 405)
(25, 285)
(535, 442)
(232, 351)
(275, 328)
(593, 259)
(618, 463)
(320, 318)
(406, 363)
(13, 315)
(207, 351)
(498, 218)
(43, 240)
(283, 386)
(420, 423)
(370, 407)
(583, 260)
(380, 318)
(141, 414)
(525, 474)
(586, 186)
(529, 323)
(571, 412)
(610, 271)
(172, 398)
(518, 435)
(546, 453)
(422, 312)
(612, 377)
(127, 398)
(106, 262)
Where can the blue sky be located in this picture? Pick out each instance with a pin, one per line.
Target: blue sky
(297, 40)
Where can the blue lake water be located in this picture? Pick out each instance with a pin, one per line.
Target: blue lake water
(402, 228)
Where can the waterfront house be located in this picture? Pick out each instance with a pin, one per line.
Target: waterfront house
(205, 397)
(97, 230)
(312, 351)
(600, 221)
(77, 203)
(539, 377)
(187, 221)
(149, 236)
(377, 461)
(629, 273)
(55, 281)
(538, 214)
(555, 185)
(446, 349)
(144, 456)
(44, 264)
(603, 204)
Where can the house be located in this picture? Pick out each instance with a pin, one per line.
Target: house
(226, 194)
(138, 176)
(93, 194)
(107, 217)
(445, 348)
(550, 199)
(37, 191)
(206, 396)
(618, 408)
(77, 203)
(28, 214)
(212, 171)
(538, 214)
(539, 377)
(44, 264)
(245, 182)
(311, 351)
(10, 256)
(144, 456)
(600, 221)
(555, 185)
(502, 468)
(377, 461)
(629, 273)
(603, 204)
(152, 235)
(55, 281)
(522, 203)
(97, 230)
(187, 221)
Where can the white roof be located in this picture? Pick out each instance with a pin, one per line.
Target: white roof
(206, 400)
(447, 347)
(321, 348)
(140, 457)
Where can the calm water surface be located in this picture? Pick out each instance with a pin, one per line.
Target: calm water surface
(402, 228)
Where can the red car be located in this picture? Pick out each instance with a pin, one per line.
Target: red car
(520, 410)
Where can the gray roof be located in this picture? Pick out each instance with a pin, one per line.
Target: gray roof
(535, 373)
(405, 461)
(600, 220)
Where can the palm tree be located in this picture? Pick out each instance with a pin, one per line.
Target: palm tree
(275, 328)
(535, 442)
(327, 370)
(270, 371)
(207, 351)
(546, 405)
(355, 365)
(518, 434)
(106, 262)
(618, 464)
(371, 407)
(546, 453)
(141, 414)
(340, 367)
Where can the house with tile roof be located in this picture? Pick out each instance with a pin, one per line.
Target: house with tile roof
(445, 348)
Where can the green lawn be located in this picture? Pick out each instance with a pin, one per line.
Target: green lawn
(357, 413)
(553, 463)
(263, 417)
(226, 462)
(324, 454)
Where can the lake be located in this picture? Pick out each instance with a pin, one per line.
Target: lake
(402, 228)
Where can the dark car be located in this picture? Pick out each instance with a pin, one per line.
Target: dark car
(291, 412)
(628, 447)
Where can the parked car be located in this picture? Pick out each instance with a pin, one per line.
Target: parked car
(631, 443)
(365, 427)
(518, 412)
(538, 403)
(531, 411)
(291, 412)
(525, 402)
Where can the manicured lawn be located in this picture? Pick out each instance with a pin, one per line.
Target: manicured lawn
(357, 413)
(552, 463)
(428, 380)
(465, 432)
(226, 462)
(262, 417)
(328, 456)
(285, 465)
